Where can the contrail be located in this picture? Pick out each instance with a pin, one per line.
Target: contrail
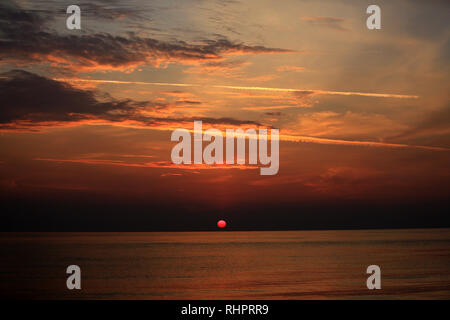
(128, 82)
(323, 92)
(306, 139)
(342, 93)
(315, 140)
(328, 141)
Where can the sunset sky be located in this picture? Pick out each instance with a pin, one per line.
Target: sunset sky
(86, 115)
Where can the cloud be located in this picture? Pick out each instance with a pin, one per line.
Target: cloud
(112, 11)
(303, 94)
(327, 22)
(291, 69)
(321, 92)
(273, 113)
(327, 141)
(27, 96)
(274, 107)
(30, 101)
(153, 164)
(227, 67)
(24, 38)
(435, 124)
(177, 93)
(345, 125)
(299, 93)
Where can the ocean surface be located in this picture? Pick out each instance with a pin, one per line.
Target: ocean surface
(415, 264)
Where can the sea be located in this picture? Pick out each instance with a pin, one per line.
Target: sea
(222, 265)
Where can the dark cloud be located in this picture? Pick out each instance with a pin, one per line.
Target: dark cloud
(28, 100)
(303, 93)
(273, 113)
(25, 38)
(328, 22)
(435, 124)
(427, 19)
(27, 96)
(111, 11)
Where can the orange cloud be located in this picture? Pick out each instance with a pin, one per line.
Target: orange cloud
(328, 22)
(252, 88)
(291, 68)
(156, 164)
(29, 40)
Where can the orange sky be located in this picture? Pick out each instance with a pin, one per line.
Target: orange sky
(363, 115)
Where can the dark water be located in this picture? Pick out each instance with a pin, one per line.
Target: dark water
(414, 264)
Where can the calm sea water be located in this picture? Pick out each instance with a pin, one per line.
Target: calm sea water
(414, 264)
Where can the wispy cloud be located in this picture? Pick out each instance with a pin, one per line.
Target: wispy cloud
(272, 107)
(291, 68)
(248, 88)
(223, 68)
(436, 123)
(32, 102)
(306, 139)
(29, 40)
(155, 164)
(327, 22)
(324, 92)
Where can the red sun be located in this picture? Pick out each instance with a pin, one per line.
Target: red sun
(221, 224)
